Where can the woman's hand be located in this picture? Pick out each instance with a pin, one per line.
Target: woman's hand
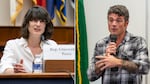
(18, 68)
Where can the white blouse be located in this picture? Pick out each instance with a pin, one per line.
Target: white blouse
(17, 49)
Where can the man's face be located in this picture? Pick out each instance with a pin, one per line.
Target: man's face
(117, 24)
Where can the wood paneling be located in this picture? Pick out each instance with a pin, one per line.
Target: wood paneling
(59, 66)
(63, 35)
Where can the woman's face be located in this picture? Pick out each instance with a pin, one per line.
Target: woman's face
(36, 27)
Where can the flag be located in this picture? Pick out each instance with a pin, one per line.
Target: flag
(82, 48)
(34, 2)
(15, 8)
(60, 6)
(72, 2)
(50, 6)
(40, 3)
(61, 11)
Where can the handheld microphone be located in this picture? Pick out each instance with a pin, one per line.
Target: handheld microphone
(113, 38)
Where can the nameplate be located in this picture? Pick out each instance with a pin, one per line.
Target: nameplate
(59, 52)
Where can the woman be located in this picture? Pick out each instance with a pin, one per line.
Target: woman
(36, 30)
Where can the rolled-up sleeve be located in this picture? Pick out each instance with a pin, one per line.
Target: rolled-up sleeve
(142, 59)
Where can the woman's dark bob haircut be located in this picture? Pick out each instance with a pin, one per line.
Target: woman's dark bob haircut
(37, 13)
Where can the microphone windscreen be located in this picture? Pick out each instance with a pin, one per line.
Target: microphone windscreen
(113, 38)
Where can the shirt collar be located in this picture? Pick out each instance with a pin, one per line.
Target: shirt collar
(23, 42)
(127, 36)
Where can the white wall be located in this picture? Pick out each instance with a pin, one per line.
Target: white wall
(96, 20)
(5, 13)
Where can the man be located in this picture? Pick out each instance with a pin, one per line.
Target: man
(120, 58)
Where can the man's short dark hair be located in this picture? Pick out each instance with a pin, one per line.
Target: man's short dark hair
(120, 10)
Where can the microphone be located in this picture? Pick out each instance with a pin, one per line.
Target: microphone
(113, 38)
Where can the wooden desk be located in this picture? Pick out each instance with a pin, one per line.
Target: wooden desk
(34, 78)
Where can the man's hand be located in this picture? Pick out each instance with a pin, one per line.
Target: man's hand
(107, 62)
(111, 48)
